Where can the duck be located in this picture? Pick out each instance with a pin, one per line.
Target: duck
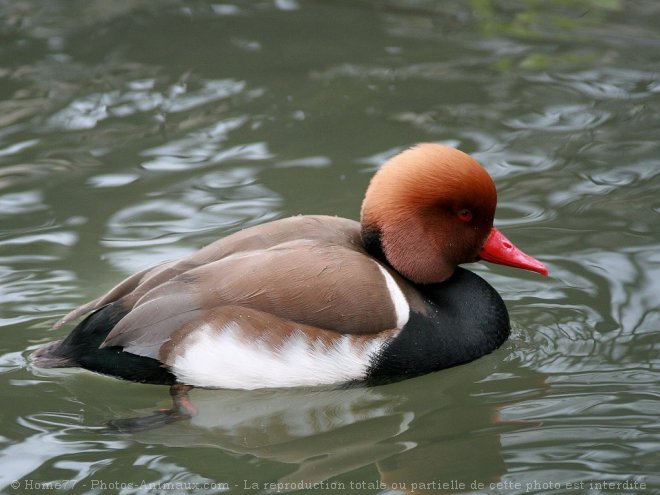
(315, 300)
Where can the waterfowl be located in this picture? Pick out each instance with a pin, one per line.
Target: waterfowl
(315, 300)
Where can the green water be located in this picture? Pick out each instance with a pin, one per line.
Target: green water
(136, 131)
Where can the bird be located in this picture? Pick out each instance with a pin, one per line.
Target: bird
(314, 300)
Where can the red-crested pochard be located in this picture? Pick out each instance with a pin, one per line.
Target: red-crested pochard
(315, 300)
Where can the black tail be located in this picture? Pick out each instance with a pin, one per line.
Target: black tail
(82, 349)
(48, 357)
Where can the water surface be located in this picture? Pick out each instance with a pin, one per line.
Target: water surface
(137, 131)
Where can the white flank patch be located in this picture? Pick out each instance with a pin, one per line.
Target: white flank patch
(399, 301)
(221, 358)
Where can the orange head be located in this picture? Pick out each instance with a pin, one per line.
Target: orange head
(431, 208)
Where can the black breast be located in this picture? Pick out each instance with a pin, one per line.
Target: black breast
(466, 319)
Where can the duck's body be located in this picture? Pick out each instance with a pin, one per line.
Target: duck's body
(294, 302)
(316, 300)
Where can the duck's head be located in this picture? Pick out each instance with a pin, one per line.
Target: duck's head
(431, 208)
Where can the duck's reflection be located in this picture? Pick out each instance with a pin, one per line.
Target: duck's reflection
(426, 433)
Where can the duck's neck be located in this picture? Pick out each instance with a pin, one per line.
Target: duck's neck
(373, 243)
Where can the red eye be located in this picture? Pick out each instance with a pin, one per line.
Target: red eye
(465, 215)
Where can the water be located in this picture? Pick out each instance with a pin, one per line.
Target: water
(132, 132)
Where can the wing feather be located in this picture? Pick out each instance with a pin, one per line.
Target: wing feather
(309, 271)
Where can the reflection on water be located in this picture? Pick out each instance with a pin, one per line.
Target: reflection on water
(412, 433)
(45, 443)
(132, 132)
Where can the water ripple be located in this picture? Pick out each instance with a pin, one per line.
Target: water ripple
(611, 83)
(561, 118)
(21, 202)
(46, 445)
(86, 112)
